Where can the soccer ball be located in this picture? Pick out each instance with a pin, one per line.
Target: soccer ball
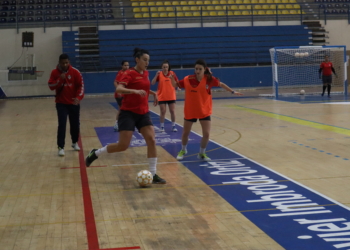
(297, 54)
(144, 178)
(301, 54)
(302, 92)
(306, 54)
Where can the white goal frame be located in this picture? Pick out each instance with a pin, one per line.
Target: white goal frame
(293, 52)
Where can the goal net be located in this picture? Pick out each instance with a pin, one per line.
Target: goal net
(296, 68)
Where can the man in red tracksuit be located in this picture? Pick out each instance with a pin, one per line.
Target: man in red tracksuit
(69, 86)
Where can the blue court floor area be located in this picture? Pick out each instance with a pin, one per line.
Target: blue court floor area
(313, 98)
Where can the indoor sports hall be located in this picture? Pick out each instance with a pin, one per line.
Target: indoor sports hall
(279, 168)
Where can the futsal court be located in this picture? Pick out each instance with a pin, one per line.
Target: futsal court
(278, 179)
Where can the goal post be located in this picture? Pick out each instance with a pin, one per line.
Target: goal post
(297, 67)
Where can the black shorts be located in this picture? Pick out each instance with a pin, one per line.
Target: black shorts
(129, 120)
(166, 102)
(202, 119)
(119, 101)
(327, 79)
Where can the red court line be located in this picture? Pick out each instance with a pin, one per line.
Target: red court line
(90, 224)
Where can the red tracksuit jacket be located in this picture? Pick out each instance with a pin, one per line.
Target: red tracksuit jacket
(69, 88)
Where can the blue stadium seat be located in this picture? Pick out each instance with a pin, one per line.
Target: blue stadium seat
(12, 13)
(110, 16)
(345, 5)
(39, 2)
(64, 1)
(92, 11)
(91, 5)
(13, 2)
(74, 12)
(12, 20)
(39, 19)
(65, 12)
(109, 11)
(39, 7)
(101, 17)
(31, 2)
(3, 20)
(82, 12)
(75, 17)
(73, 6)
(57, 12)
(48, 18)
(82, 6)
(38, 13)
(321, 6)
(57, 18)
(31, 7)
(22, 7)
(13, 7)
(83, 17)
(56, 6)
(99, 5)
(66, 18)
(65, 6)
(81, 1)
(56, 1)
(5, 8)
(48, 2)
(3, 14)
(21, 19)
(48, 12)
(30, 19)
(108, 5)
(92, 17)
(5, 3)
(48, 6)
(22, 2)
(30, 13)
(21, 13)
(329, 6)
(100, 11)
(73, 1)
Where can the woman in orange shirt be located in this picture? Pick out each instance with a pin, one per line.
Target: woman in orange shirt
(166, 93)
(198, 104)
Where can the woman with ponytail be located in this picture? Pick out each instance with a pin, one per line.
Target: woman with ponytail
(198, 104)
(166, 93)
(134, 112)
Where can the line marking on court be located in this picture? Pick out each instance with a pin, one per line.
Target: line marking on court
(321, 151)
(299, 121)
(91, 166)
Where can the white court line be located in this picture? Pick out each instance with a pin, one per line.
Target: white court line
(344, 103)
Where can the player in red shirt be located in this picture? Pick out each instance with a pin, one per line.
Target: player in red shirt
(198, 104)
(166, 93)
(135, 86)
(326, 69)
(118, 97)
(69, 86)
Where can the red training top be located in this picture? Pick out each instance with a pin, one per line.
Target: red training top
(132, 79)
(69, 88)
(117, 79)
(166, 91)
(326, 68)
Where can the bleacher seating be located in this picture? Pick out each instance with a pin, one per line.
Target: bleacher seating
(54, 10)
(239, 45)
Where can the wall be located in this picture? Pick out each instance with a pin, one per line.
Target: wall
(48, 46)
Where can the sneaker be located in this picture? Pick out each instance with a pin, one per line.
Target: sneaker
(181, 154)
(90, 158)
(162, 129)
(76, 146)
(203, 157)
(174, 129)
(115, 127)
(158, 180)
(60, 151)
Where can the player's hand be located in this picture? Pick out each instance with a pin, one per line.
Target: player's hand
(237, 93)
(140, 92)
(76, 101)
(158, 72)
(155, 102)
(63, 76)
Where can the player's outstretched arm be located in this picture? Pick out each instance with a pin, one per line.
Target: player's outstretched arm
(173, 82)
(154, 80)
(227, 88)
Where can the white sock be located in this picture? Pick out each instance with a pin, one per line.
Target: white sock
(184, 147)
(116, 122)
(101, 151)
(152, 165)
(162, 125)
(202, 150)
(173, 124)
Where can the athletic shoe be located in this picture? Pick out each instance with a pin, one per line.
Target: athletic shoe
(162, 129)
(203, 157)
(76, 146)
(181, 154)
(115, 127)
(90, 158)
(158, 180)
(174, 129)
(60, 151)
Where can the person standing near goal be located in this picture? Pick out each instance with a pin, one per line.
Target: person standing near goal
(166, 93)
(326, 69)
(69, 86)
(135, 86)
(198, 104)
(119, 97)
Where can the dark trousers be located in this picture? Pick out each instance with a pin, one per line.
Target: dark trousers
(73, 112)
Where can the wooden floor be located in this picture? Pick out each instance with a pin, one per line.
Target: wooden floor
(44, 198)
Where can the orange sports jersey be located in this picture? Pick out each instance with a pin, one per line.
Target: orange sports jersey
(117, 79)
(326, 68)
(198, 102)
(166, 91)
(194, 82)
(132, 79)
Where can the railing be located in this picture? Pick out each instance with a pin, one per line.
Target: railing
(124, 16)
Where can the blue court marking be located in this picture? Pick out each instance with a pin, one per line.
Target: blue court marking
(307, 99)
(295, 216)
(321, 151)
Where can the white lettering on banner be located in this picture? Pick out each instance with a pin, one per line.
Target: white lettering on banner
(287, 202)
